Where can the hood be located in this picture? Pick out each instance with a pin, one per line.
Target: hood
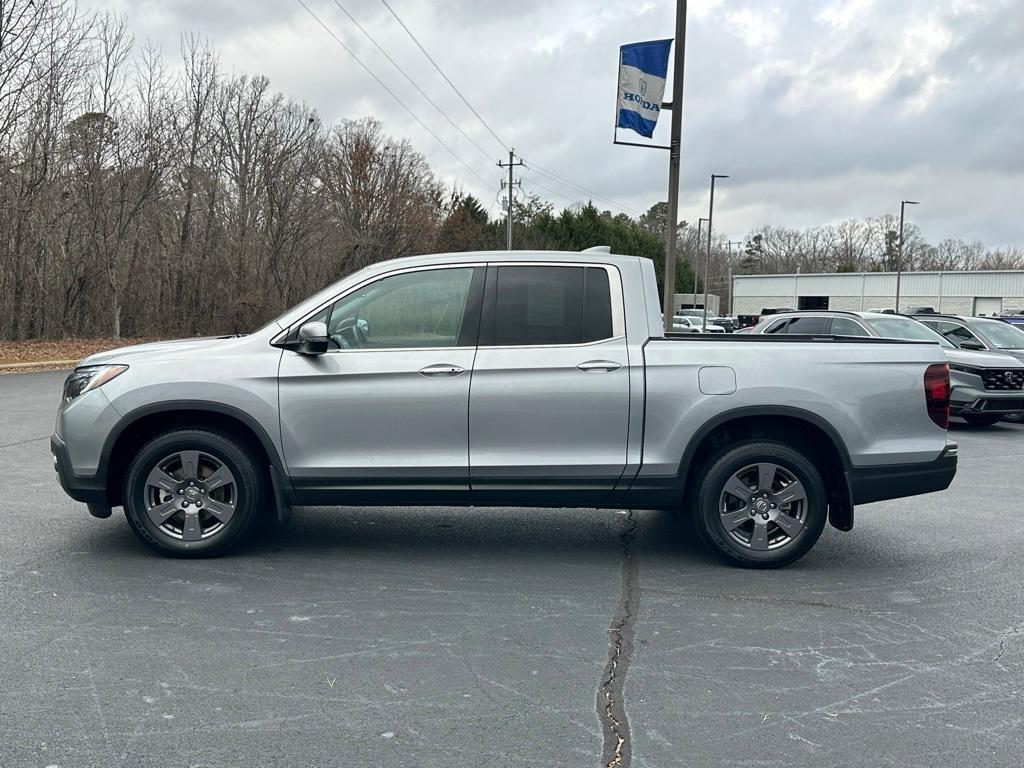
(136, 351)
(982, 359)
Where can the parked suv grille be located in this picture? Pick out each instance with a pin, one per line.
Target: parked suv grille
(1002, 379)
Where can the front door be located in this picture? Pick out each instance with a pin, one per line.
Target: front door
(386, 407)
(549, 406)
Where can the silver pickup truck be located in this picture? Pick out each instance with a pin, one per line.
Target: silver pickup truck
(512, 378)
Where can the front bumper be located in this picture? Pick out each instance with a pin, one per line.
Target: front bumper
(976, 400)
(895, 481)
(90, 490)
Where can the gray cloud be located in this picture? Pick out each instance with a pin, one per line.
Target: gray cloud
(819, 111)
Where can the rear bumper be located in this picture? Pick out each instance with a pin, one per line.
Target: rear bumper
(90, 490)
(894, 481)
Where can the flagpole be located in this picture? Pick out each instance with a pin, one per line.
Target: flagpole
(675, 142)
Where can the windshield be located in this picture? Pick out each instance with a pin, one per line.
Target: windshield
(905, 328)
(999, 334)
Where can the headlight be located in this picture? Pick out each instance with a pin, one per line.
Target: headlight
(82, 380)
(965, 369)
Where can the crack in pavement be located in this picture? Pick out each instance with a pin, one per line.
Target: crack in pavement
(24, 442)
(611, 705)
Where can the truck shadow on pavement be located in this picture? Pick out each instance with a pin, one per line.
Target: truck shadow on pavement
(578, 536)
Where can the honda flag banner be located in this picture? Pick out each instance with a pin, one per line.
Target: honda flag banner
(643, 68)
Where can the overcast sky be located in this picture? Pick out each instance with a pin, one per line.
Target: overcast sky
(819, 111)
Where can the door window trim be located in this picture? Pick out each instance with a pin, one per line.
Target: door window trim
(615, 296)
(472, 303)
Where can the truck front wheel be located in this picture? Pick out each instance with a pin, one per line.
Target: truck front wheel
(193, 492)
(761, 504)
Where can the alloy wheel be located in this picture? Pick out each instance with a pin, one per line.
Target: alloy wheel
(191, 495)
(763, 506)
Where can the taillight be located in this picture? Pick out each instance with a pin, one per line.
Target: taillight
(936, 393)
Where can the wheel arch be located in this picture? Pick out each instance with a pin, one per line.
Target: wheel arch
(139, 425)
(788, 424)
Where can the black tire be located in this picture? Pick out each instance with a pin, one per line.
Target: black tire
(246, 494)
(784, 549)
(981, 419)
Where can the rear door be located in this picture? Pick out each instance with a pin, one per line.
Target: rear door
(549, 405)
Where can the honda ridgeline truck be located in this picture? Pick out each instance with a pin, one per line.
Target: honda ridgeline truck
(529, 379)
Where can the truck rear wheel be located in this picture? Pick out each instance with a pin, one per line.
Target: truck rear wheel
(761, 504)
(193, 493)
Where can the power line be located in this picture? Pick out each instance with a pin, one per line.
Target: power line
(580, 189)
(485, 124)
(446, 78)
(391, 93)
(412, 82)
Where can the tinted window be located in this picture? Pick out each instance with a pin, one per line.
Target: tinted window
(597, 305)
(955, 333)
(844, 326)
(551, 305)
(413, 309)
(779, 327)
(808, 325)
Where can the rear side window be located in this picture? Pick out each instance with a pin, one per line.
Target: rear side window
(809, 325)
(779, 327)
(549, 305)
(843, 326)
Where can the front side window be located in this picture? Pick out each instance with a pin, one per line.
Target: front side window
(535, 305)
(412, 309)
(1001, 335)
(956, 333)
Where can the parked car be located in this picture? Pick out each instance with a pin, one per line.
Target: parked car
(747, 321)
(730, 324)
(987, 387)
(979, 333)
(919, 311)
(687, 324)
(361, 395)
(1014, 317)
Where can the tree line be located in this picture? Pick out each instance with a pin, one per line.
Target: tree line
(143, 199)
(139, 201)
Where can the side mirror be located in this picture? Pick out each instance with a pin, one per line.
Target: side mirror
(312, 339)
(972, 344)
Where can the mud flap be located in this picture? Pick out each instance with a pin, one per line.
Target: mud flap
(284, 511)
(840, 506)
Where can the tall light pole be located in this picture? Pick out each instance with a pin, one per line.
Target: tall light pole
(675, 145)
(899, 251)
(707, 255)
(700, 228)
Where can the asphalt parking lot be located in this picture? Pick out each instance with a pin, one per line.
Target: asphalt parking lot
(505, 637)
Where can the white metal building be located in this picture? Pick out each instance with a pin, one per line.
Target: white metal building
(960, 293)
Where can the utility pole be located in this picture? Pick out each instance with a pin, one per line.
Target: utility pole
(512, 163)
(707, 256)
(675, 145)
(899, 252)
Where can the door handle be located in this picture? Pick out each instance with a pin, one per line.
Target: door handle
(602, 366)
(442, 369)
